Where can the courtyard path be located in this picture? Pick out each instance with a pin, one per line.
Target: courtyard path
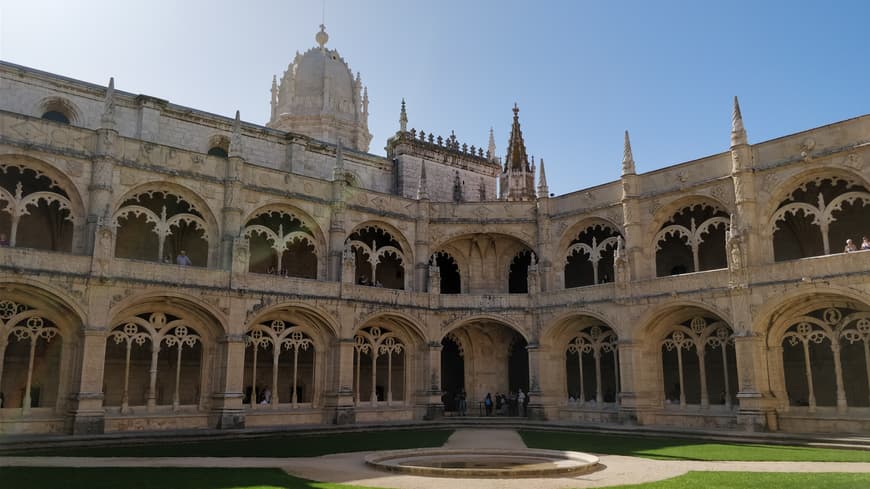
(350, 468)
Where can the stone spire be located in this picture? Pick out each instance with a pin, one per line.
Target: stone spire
(627, 157)
(516, 158)
(274, 96)
(107, 120)
(422, 186)
(543, 189)
(403, 118)
(490, 150)
(236, 137)
(738, 132)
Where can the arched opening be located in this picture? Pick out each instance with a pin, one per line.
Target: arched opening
(279, 365)
(699, 363)
(592, 366)
(452, 373)
(518, 277)
(159, 226)
(818, 217)
(590, 256)
(219, 146)
(153, 359)
(30, 354)
(56, 116)
(692, 240)
(282, 244)
(37, 211)
(451, 282)
(58, 110)
(379, 367)
(826, 359)
(379, 258)
(493, 359)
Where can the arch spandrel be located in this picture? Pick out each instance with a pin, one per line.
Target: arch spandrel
(795, 178)
(775, 317)
(577, 227)
(559, 327)
(667, 211)
(302, 215)
(409, 328)
(394, 231)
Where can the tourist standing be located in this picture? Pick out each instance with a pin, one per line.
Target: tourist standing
(521, 401)
(487, 403)
(182, 259)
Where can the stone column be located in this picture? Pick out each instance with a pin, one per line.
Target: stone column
(227, 411)
(86, 415)
(339, 398)
(434, 406)
(421, 245)
(537, 406)
(756, 410)
(100, 189)
(632, 394)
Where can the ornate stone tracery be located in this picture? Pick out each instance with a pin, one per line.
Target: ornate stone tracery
(376, 342)
(376, 250)
(595, 245)
(278, 335)
(290, 240)
(27, 192)
(698, 334)
(691, 226)
(595, 340)
(24, 324)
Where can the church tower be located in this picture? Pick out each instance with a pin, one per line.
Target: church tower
(319, 97)
(517, 180)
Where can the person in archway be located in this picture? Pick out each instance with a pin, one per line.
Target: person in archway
(526, 401)
(487, 403)
(182, 259)
(850, 246)
(463, 403)
(865, 243)
(521, 401)
(4, 241)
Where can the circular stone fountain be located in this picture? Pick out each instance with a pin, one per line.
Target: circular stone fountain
(485, 462)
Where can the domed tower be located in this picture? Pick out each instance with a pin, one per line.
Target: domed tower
(318, 96)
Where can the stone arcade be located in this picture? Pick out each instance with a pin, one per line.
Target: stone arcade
(330, 285)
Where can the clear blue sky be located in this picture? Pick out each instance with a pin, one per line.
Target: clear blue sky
(582, 72)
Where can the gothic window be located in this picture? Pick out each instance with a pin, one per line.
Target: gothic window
(56, 116)
(58, 110)
(692, 240)
(379, 258)
(35, 212)
(818, 217)
(29, 357)
(157, 225)
(279, 365)
(589, 259)
(518, 276)
(699, 363)
(152, 359)
(379, 366)
(451, 281)
(826, 359)
(281, 243)
(592, 366)
(219, 146)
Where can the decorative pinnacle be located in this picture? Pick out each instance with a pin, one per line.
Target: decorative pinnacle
(491, 148)
(236, 137)
(321, 37)
(627, 157)
(738, 132)
(108, 117)
(403, 118)
(422, 186)
(543, 189)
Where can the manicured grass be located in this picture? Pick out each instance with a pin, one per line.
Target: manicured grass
(271, 446)
(770, 480)
(211, 478)
(155, 478)
(686, 449)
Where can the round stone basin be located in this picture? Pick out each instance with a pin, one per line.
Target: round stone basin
(495, 463)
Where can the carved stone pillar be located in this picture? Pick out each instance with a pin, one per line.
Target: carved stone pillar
(757, 405)
(632, 396)
(434, 279)
(536, 409)
(100, 189)
(340, 394)
(86, 414)
(434, 406)
(227, 411)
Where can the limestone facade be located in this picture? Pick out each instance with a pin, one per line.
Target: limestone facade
(329, 285)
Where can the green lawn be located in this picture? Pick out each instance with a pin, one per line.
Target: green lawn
(735, 480)
(271, 446)
(172, 478)
(154, 478)
(686, 449)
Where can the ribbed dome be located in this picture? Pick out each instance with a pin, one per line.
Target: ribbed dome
(318, 96)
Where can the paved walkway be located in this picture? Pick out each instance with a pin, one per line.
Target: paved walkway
(350, 468)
